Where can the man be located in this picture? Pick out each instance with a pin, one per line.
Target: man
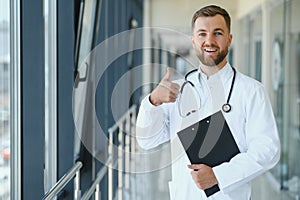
(250, 118)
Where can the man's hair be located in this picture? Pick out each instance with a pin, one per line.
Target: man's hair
(211, 11)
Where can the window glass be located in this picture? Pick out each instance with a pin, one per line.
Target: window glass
(4, 101)
(50, 170)
(87, 30)
(84, 40)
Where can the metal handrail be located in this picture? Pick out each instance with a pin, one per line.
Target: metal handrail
(122, 161)
(116, 125)
(63, 181)
(100, 175)
(111, 162)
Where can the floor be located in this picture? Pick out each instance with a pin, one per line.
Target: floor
(154, 185)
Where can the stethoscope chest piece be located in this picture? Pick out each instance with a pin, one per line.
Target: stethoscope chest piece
(226, 107)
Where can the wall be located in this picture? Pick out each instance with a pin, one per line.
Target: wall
(177, 14)
(246, 7)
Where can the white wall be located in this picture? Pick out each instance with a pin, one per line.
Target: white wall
(177, 14)
(246, 7)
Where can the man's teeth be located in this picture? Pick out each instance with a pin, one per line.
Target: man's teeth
(210, 50)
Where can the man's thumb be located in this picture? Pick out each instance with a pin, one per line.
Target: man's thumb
(168, 74)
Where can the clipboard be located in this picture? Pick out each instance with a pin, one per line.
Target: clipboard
(210, 142)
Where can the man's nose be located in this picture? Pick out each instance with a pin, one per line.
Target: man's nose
(209, 39)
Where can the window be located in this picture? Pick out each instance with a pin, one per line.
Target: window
(4, 101)
(50, 171)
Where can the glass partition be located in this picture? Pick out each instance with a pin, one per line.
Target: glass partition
(277, 41)
(291, 125)
(285, 72)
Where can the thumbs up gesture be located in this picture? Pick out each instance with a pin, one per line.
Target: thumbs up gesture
(166, 91)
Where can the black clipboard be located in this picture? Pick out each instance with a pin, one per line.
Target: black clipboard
(209, 142)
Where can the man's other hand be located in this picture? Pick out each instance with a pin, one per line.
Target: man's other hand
(203, 176)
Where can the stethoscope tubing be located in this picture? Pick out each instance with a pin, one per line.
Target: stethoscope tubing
(226, 107)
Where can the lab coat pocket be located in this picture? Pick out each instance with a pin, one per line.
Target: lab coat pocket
(172, 190)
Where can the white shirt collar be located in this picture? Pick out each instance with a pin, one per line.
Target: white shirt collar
(224, 73)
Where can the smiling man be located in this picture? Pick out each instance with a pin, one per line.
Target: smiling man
(242, 100)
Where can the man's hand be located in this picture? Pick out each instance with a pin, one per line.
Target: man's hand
(166, 91)
(203, 176)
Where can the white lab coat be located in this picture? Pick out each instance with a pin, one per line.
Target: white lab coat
(251, 121)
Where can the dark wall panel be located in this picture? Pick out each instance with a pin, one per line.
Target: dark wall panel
(65, 70)
(32, 99)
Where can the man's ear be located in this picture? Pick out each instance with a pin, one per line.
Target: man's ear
(229, 39)
(192, 40)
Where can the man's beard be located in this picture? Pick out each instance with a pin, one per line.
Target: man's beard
(209, 61)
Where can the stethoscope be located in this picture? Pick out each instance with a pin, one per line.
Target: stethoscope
(226, 106)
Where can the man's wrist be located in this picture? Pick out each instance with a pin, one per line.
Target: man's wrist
(153, 102)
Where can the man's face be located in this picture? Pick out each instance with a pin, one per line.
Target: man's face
(211, 40)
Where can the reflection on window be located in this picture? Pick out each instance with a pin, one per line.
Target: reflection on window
(84, 42)
(87, 30)
(4, 101)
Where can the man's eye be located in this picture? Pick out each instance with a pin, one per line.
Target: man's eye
(202, 34)
(218, 33)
